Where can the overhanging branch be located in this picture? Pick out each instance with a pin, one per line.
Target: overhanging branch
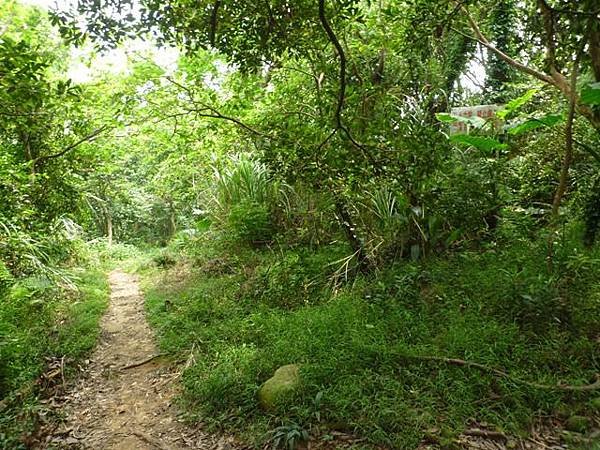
(87, 138)
(204, 110)
(337, 117)
(555, 78)
(480, 37)
(215, 114)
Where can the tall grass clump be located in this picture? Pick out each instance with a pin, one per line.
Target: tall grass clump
(242, 199)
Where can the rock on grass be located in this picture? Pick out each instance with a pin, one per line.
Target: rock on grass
(284, 381)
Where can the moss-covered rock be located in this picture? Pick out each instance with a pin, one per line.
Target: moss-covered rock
(284, 381)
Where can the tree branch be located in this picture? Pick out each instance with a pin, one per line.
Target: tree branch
(555, 79)
(337, 117)
(87, 138)
(212, 31)
(213, 112)
(568, 157)
(502, 374)
(342, 57)
(565, 165)
(480, 37)
(548, 16)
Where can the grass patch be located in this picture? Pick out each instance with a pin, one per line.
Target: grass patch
(237, 317)
(40, 321)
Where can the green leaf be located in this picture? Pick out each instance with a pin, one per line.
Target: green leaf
(590, 95)
(451, 118)
(516, 103)
(548, 120)
(485, 144)
(445, 117)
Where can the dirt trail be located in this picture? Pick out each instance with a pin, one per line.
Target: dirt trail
(120, 408)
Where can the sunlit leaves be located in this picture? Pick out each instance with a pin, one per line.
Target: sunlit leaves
(534, 123)
(447, 118)
(590, 94)
(474, 121)
(485, 144)
(517, 103)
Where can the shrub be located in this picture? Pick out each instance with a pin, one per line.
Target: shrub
(250, 221)
(242, 200)
(293, 280)
(304, 216)
(5, 277)
(164, 259)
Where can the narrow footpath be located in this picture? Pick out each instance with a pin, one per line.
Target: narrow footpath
(125, 399)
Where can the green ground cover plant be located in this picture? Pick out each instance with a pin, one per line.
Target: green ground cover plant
(41, 323)
(361, 346)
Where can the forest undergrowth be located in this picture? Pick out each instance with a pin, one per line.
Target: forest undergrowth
(371, 349)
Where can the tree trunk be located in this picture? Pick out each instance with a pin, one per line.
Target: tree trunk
(350, 230)
(109, 228)
(172, 223)
(566, 164)
(568, 157)
(594, 51)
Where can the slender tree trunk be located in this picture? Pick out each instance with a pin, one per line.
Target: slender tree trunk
(594, 51)
(109, 228)
(566, 165)
(350, 230)
(28, 151)
(173, 222)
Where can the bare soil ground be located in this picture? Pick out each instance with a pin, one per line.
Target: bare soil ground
(125, 400)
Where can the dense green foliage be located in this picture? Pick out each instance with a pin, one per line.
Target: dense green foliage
(297, 177)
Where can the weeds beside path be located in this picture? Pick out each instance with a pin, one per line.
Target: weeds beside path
(453, 353)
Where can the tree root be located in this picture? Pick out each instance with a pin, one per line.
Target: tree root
(487, 434)
(141, 363)
(502, 374)
(151, 440)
